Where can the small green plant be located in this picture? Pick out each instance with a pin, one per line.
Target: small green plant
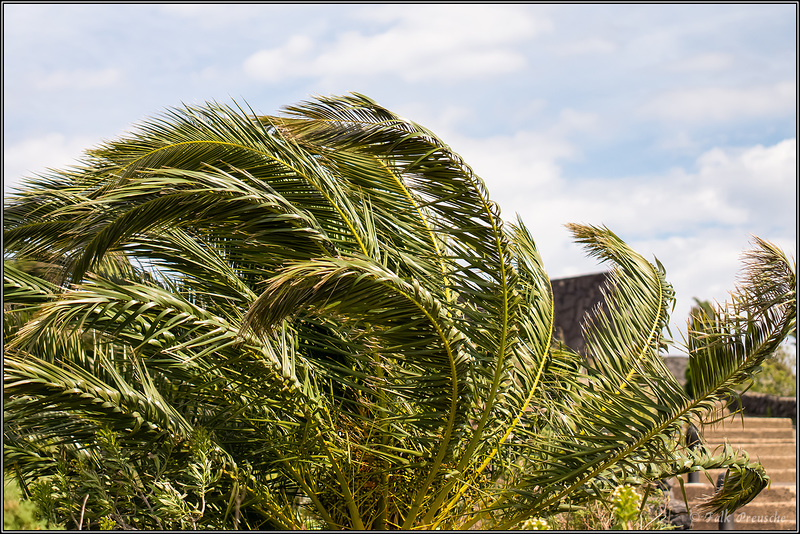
(536, 523)
(20, 513)
(626, 507)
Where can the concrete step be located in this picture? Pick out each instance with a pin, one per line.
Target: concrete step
(762, 508)
(761, 449)
(697, 491)
(754, 516)
(773, 442)
(748, 434)
(771, 462)
(775, 475)
(757, 515)
(767, 523)
(753, 423)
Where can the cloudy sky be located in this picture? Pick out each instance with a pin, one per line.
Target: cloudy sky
(674, 125)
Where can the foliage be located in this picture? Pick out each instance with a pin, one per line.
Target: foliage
(118, 483)
(626, 509)
(626, 506)
(320, 320)
(535, 523)
(19, 513)
(775, 375)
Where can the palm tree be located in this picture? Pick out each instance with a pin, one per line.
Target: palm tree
(227, 320)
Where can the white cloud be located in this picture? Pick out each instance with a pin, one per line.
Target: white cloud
(704, 265)
(524, 163)
(211, 15)
(431, 43)
(587, 47)
(78, 79)
(741, 188)
(759, 181)
(571, 120)
(723, 103)
(697, 221)
(773, 168)
(516, 165)
(277, 64)
(477, 23)
(744, 189)
(712, 61)
(35, 155)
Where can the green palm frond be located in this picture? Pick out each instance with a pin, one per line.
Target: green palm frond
(329, 309)
(770, 279)
(255, 213)
(624, 336)
(409, 351)
(191, 138)
(25, 288)
(628, 414)
(453, 203)
(728, 342)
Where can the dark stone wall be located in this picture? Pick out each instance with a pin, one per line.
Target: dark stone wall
(677, 363)
(762, 404)
(572, 299)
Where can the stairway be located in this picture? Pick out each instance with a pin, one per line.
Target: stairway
(773, 442)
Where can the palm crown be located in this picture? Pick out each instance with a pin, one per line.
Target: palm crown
(325, 316)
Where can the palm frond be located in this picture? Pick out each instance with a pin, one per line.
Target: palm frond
(624, 336)
(416, 346)
(332, 305)
(636, 413)
(727, 343)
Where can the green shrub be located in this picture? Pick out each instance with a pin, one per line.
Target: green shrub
(624, 511)
(20, 513)
(776, 376)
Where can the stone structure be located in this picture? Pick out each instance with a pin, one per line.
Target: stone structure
(677, 364)
(762, 404)
(572, 299)
(773, 442)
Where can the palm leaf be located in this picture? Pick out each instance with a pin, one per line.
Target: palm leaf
(336, 296)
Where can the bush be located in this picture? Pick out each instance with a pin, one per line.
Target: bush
(776, 376)
(20, 513)
(624, 511)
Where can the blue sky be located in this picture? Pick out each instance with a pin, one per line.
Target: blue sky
(674, 125)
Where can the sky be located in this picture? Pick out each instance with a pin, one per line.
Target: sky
(674, 125)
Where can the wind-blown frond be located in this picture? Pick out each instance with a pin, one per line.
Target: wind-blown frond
(453, 204)
(728, 342)
(409, 326)
(627, 418)
(24, 288)
(321, 319)
(770, 281)
(623, 337)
